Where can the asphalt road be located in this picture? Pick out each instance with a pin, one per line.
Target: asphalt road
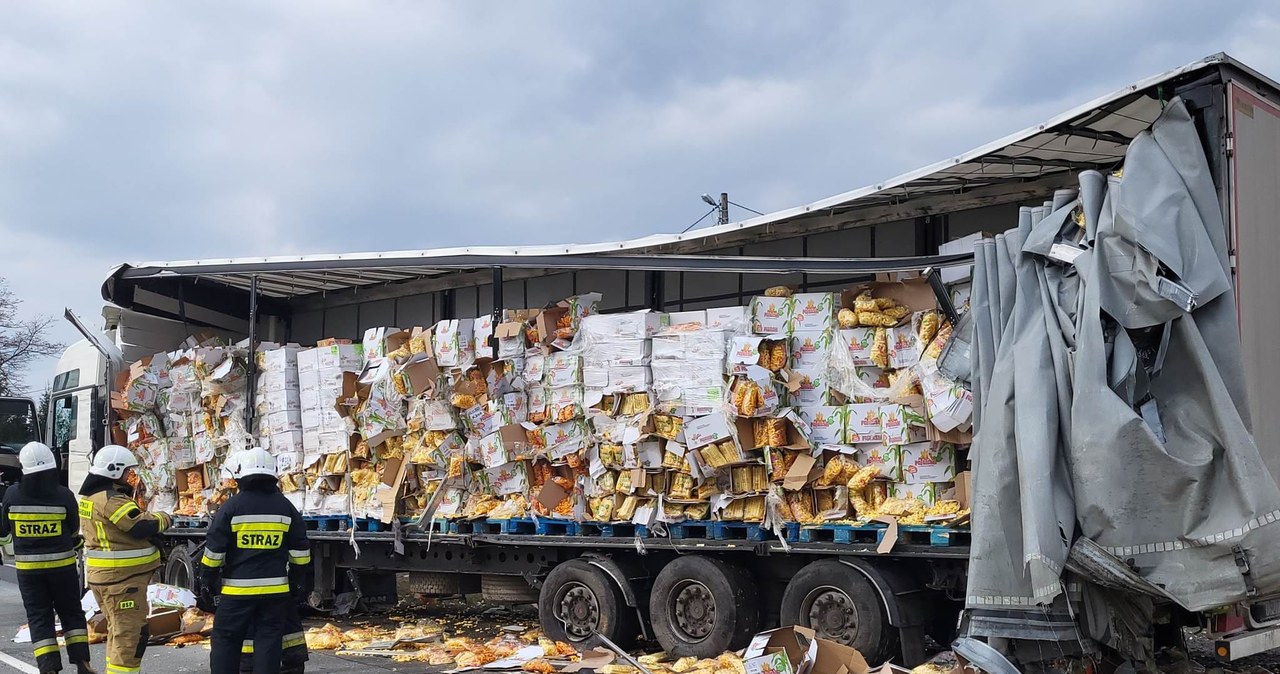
(195, 658)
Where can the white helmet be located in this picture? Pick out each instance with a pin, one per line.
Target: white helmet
(253, 461)
(36, 457)
(111, 461)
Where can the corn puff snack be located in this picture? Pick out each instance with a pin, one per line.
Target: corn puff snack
(627, 509)
(781, 464)
(801, 504)
(880, 348)
(865, 303)
(876, 319)
(928, 327)
(862, 478)
(735, 511)
(848, 318)
(681, 486)
(697, 511)
(777, 291)
(463, 401)
(759, 479)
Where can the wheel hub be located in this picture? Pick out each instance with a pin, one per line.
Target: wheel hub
(579, 610)
(832, 615)
(694, 610)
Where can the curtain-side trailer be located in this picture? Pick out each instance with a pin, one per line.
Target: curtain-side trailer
(700, 595)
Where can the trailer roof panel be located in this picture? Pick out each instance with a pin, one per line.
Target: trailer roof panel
(1091, 136)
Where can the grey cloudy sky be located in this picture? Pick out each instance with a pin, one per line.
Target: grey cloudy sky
(146, 131)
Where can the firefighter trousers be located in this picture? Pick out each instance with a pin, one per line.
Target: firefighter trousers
(124, 604)
(294, 656)
(44, 594)
(262, 620)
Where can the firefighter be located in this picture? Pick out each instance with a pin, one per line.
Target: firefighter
(251, 574)
(119, 556)
(38, 518)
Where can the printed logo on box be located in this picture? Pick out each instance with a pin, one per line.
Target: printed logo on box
(771, 311)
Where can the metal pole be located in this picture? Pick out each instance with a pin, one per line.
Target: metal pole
(497, 308)
(724, 208)
(253, 354)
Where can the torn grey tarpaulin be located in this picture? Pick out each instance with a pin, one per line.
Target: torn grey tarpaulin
(1109, 404)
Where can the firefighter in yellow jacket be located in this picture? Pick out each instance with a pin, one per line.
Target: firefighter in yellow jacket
(118, 554)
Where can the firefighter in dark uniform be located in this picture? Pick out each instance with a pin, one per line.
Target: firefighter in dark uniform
(39, 518)
(251, 574)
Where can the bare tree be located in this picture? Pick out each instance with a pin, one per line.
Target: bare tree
(21, 340)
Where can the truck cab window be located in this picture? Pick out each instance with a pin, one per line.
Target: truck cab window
(64, 421)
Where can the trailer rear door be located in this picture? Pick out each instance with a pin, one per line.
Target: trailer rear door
(1254, 124)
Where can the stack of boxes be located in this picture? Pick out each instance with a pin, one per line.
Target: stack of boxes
(322, 374)
(759, 414)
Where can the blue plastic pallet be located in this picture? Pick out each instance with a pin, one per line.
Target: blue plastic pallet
(327, 522)
(612, 530)
(691, 529)
(872, 534)
(516, 526)
(841, 533)
(551, 527)
(371, 524)
(791, 532)
(739, 531)
(442, 527)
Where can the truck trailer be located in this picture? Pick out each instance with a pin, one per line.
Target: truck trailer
(700, 594)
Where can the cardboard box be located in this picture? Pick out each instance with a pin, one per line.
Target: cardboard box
(964, 488)
(617, 352)
(703, 431)
(901, 424)
(486, 419)
(563, 369)
(770, 315)
(770, 401)
(342, 357)
(693, 345)
(744, 352)
(928, 462)
(808, 387)
(949, 405)
(826, 423)
(813, 312)
(889, 459)
(796, 433)
(276, 380)
(507, 444)
(677, 318)
(904, 347)
(560, 439)
(811, 348)
(632, 325)
(928, 492)
(964, 244)
(511, 342)
(282, 400)
(617, 379)
(165, 622)
(452, 343)
(481, 332)
(914, 293)
(571, 398)
(806, 653)
(508, 478)
(727, 319)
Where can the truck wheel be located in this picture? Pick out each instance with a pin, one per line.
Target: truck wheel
(180, 569)
(702, 607)
(841, 605)
(501, 589)
(433, 584)
(578, 600)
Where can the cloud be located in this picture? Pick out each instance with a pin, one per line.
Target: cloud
(137, 132)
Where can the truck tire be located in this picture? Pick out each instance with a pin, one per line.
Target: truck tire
(180, 569)
(702, 607)
(578, 600)
(435, 584)
(501, 589)
(841, 605)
